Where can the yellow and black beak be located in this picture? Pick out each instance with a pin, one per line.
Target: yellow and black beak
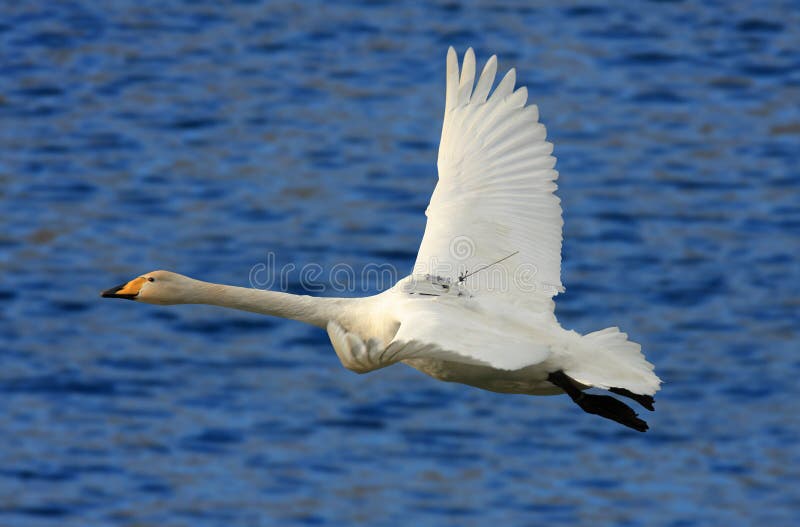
(128, 290)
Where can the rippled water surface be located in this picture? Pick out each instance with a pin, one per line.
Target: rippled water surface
(203, 136)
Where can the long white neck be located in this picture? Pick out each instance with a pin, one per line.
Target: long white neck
(317, 311)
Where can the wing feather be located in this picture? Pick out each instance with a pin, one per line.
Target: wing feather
(485, 82)
(506, 85)
(467, 78)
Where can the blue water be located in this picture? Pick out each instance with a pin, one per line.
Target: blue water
(202, 137)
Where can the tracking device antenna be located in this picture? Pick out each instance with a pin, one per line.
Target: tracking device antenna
(464, 276)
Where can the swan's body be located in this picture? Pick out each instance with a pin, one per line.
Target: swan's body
(478, 308)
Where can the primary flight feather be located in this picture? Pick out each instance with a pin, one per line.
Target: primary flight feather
(477, 308)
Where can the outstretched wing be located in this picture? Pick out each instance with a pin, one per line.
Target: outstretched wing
(495, 195)
(447, 331)
(361, 357)
(442, 330)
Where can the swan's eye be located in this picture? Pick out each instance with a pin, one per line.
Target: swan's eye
(151, 279)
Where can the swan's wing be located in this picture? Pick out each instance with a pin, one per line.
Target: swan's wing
(447, 331)
(430, 329)
(361, 357)
(495, 195)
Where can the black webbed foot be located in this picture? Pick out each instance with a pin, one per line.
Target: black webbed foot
(646, 401)
(610, 408)
(602, 405)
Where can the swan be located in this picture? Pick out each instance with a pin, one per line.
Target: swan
(478, 307)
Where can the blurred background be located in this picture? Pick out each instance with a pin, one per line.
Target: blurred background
(202, 136)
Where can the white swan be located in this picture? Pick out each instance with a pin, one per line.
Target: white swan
(478, 307)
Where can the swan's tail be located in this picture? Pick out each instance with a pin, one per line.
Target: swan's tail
(613, 361)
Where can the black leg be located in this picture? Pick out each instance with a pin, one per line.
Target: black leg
(602, 405)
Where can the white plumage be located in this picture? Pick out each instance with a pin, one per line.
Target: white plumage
(478, 306)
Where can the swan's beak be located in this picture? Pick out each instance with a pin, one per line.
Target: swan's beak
(128, 290)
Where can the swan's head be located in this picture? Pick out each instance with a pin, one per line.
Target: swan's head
(156, 287)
